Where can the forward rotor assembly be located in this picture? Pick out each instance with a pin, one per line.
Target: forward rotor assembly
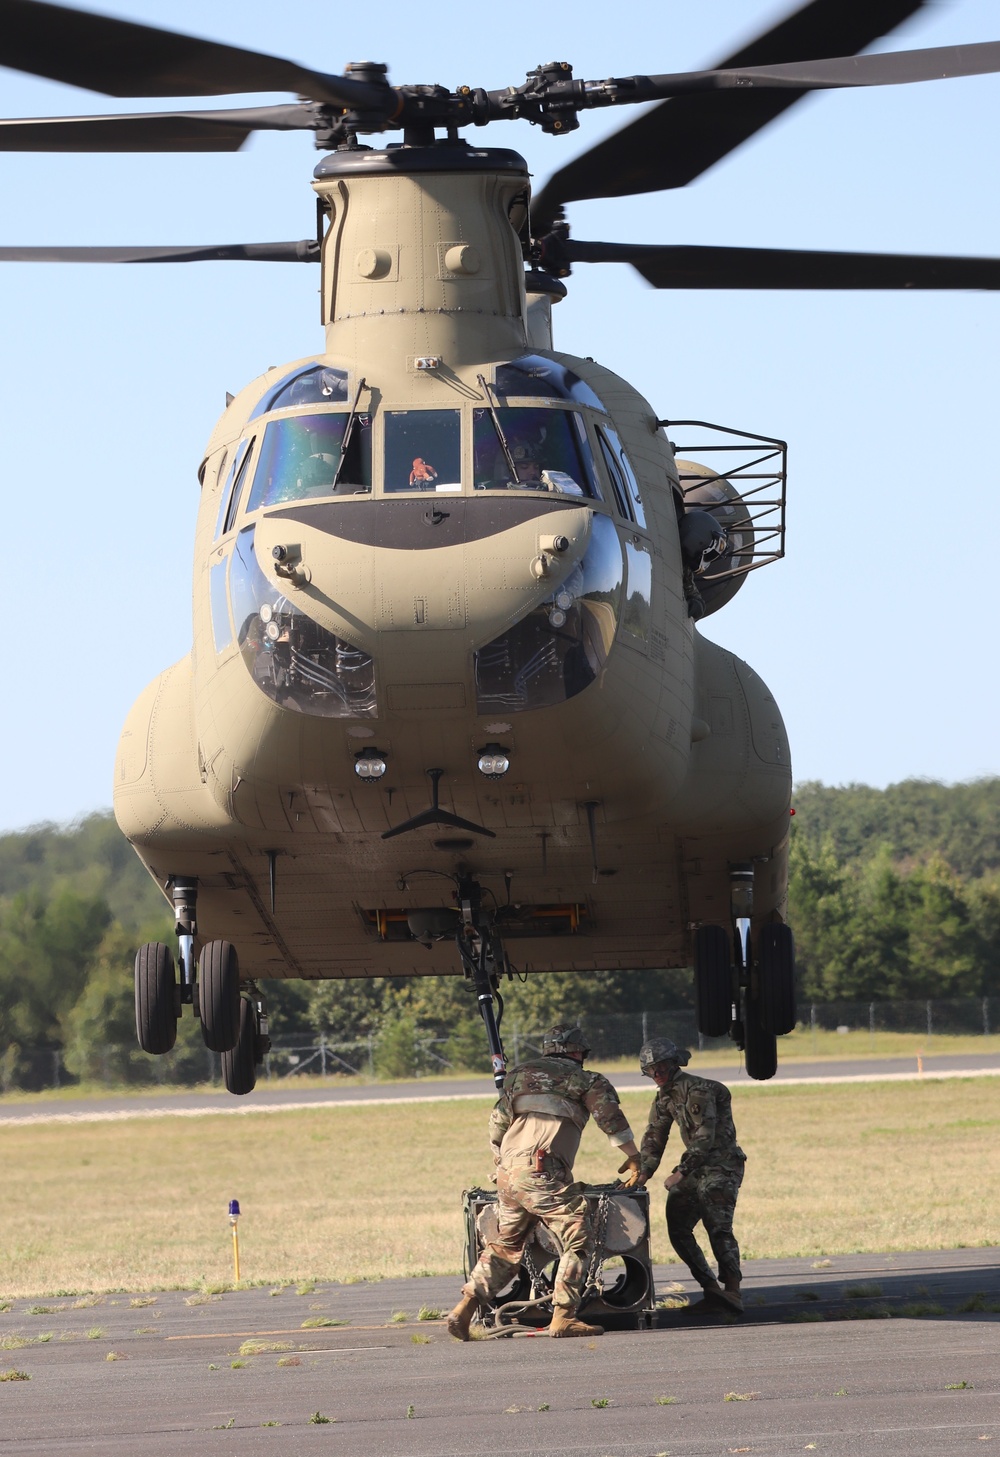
(701, 118)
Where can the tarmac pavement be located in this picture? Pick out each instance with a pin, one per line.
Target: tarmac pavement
(853, 1356)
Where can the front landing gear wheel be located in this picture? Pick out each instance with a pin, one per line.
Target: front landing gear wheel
(239, 1064)
(157, 1004)
(776, 968)
(761, 1047)
(713, 981)
(219, 995)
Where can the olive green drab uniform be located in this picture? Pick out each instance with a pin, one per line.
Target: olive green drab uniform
(712, 1166)
(535, 1133)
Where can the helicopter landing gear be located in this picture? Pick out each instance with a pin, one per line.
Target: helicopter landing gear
(240, 1062)
(751, 993)
(776, 968)
(219, 995)
(713, 981)
(158, 995)
(157, 998)
(483, 961)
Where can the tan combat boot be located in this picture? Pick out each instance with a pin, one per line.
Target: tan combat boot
(731, 1294)
(565, 1323)
(460, 1318)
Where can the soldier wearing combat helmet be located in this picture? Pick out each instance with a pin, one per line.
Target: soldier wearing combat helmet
(535, 1132)
(706, 1182)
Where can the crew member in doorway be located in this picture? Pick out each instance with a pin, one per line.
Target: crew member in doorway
(705, 1184)
(535, 1131)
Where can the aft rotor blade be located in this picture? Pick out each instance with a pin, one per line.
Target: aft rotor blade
(682, 138)
(170, 131)
(893, 68)
(306, 251)
(696, 266)
(122, 58)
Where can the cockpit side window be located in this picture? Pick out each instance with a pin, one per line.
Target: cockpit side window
(229, 499)
(225, 495)
(300, 459)
(423, 451)
(614, 471)
(636, 511)
(534, 449)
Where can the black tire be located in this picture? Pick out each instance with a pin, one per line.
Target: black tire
(760, 1046)
(776, 970)
(713, 981)
(239, 1067)
(156, 1002)
(219, 995)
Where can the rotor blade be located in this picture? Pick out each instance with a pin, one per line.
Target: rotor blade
(696, 266)
(306, 251)
(681, 138)
(170, 131)
(893, 68)
(121, 58)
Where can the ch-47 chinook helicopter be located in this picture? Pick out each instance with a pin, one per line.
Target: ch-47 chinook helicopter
(447, 705)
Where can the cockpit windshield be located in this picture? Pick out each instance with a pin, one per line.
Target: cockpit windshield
(300, 459)
(533, 376)
(423, 450)
(319, 384)
(537, 449)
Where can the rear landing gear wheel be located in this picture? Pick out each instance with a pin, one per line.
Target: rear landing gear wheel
(219, 995)
(239, 1064)
(776, 971)
(761, 1047)
(713, 981)
(157, 1004)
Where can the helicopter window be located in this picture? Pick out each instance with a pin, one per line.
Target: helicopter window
(423, 450)
(536, 377)
(242, 469)
(618, 485)
(227, 490)
(638, 602)
(301, 455)
(561, 646)
(221, 628)
(317, 385)
(637, 512)
(548, 448)
(291, 658)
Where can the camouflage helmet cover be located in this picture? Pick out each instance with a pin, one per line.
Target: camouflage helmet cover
(661, 1049)
(564, 1037)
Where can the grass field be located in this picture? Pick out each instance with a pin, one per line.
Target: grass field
(355, 1193)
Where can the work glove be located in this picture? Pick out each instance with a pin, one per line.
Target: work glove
(631, 1172)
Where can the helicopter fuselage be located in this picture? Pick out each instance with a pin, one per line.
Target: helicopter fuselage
(440, 545)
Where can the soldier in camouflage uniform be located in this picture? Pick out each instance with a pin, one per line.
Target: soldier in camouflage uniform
(535, 1132)
(706, 1182)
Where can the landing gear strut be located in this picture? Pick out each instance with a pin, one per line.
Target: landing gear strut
(158, 995)
(483, 961)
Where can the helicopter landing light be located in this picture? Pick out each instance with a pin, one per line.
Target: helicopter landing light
(493, 761)
(369, 765)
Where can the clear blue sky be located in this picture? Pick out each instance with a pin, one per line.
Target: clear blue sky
(873, 633)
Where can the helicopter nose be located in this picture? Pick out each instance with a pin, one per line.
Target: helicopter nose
(374, 570)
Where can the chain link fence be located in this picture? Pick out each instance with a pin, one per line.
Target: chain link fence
(403, 1049)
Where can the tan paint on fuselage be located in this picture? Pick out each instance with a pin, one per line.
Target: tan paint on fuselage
(212, 774)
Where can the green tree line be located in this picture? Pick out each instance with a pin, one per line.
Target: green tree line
(894, 894)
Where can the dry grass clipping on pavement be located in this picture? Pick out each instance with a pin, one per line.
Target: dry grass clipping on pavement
(368, 1193)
